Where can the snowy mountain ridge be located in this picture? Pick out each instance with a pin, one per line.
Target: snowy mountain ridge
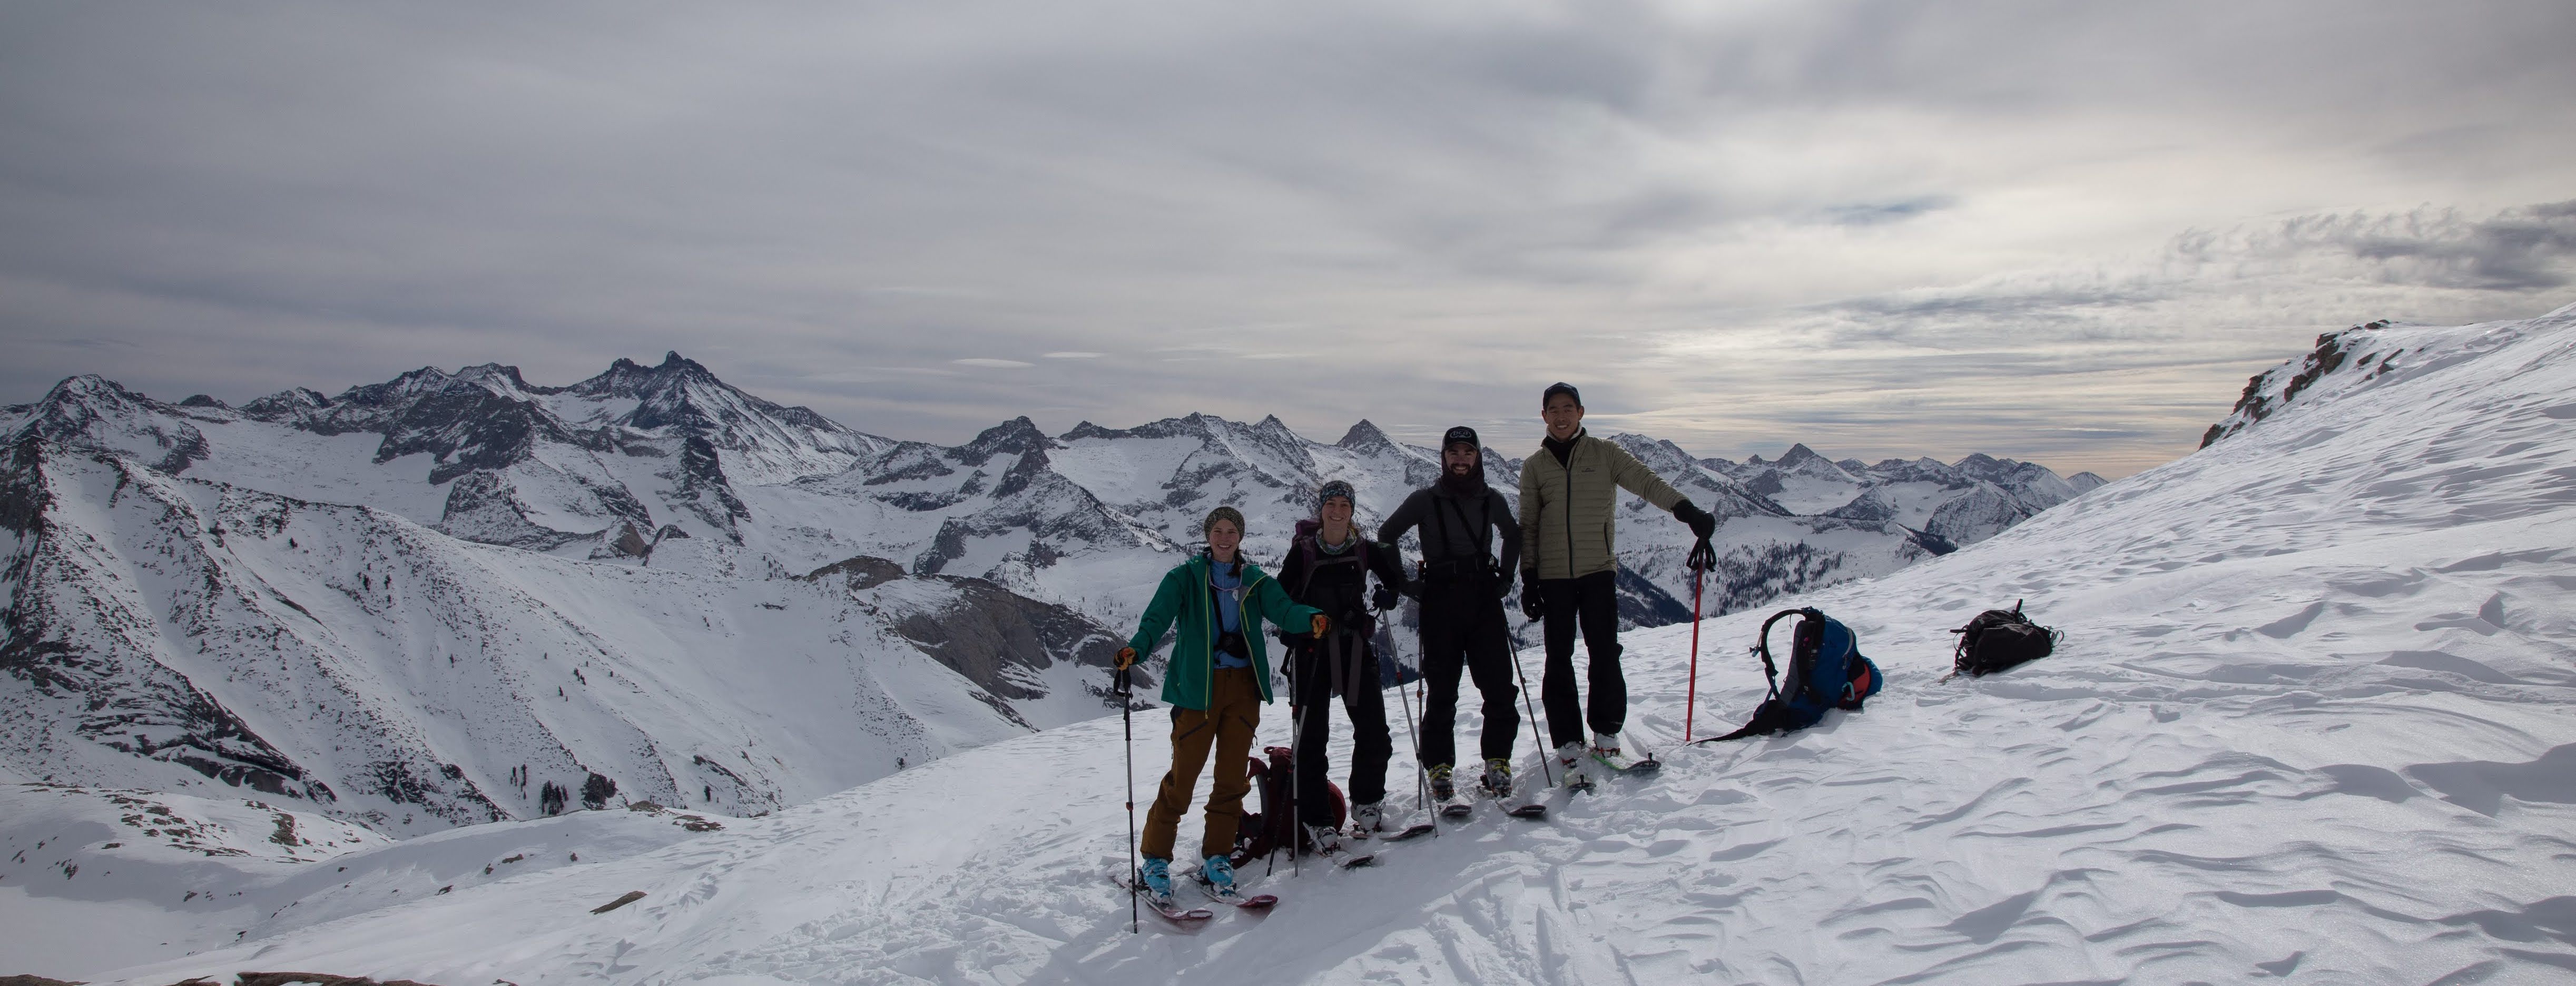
(450, 598)
(2310, 720)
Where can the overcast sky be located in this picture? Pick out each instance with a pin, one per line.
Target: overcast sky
(2056, 231)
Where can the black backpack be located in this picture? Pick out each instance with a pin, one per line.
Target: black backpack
(1998, 639)
(1259, 833)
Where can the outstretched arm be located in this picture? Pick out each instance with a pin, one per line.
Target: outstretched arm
(1283, 612)
(1633, 476)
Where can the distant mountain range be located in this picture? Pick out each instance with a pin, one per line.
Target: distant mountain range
(452, 597)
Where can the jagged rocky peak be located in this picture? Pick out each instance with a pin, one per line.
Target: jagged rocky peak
(285, 404)
(1365, 437)
(504, 380)
(1014, 437)
(629, 379)
(2270, 390)
(204, 400)
(1798, 455)
(93, 412)
(2086, 481)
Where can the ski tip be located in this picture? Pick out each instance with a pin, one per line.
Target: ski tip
(1258, 902)
(1356, 862)
(1528, 811)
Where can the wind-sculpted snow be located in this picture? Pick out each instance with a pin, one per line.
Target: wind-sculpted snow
(2313, 718)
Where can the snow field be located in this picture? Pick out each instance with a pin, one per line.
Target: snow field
(2310, 721)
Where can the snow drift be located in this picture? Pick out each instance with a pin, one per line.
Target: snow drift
(2311, 721)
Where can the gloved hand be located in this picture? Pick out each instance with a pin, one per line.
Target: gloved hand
(1126, 658)
(1701, 523)
(1322, 625)
(1529, 598)
(1703, 556)
(1503, 580)
(1383, 598)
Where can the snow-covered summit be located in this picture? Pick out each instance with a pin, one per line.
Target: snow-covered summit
(2313, 717)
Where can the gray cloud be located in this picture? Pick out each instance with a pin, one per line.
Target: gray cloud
(1728, 218)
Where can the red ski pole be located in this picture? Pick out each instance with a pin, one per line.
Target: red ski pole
(1690, 704)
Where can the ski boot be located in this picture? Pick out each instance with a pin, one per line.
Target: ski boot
(1571, 758)
(1367, 820)
(1449, 801)
(1327, 839)
(1218, 874)
(1497, 781)
(1155, 879)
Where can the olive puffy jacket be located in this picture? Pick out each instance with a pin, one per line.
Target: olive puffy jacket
(1586, 487)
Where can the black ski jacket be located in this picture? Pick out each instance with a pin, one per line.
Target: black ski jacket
(1336, 584)
(1456, 531)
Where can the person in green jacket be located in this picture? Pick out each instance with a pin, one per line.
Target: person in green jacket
(1216, 682)
(1569, 572)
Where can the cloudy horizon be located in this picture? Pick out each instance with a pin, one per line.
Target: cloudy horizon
(2058, 233)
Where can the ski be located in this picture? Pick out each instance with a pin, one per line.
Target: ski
(1353, 862)
(1633, 768)
(1239, 900)
(1457, 809)
(1533, 809)
(1413, 831)
(1187, 917)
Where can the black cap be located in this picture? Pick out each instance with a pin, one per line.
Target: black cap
(1560, 387)
(1462, 433)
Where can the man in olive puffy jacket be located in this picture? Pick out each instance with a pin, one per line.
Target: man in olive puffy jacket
(1569, 572)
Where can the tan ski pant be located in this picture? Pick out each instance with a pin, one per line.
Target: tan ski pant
(1234, 708)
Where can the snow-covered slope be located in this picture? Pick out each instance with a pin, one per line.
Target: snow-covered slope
(2313, 718)
(172, 633)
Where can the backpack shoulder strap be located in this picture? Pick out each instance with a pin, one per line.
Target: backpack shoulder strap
(1484, 538)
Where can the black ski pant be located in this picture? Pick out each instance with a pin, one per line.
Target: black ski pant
(1463, 629)
(1365, 702)
(1592, 601)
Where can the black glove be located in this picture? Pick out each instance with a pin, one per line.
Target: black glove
(1383, 598)
(1503, 576)
(1529, 598)
(1700, 522)
(1703, 556)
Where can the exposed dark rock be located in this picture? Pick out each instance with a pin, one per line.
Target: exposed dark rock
(596, 791)
(993, 636)
(313, 979)
(864, 571)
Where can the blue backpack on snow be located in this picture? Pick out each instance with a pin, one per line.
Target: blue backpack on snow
(1826, 671)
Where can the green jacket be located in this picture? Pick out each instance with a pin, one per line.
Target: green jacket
(1184, 596)
(1566, 510)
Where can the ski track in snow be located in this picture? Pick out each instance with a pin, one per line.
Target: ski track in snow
(2311, 720)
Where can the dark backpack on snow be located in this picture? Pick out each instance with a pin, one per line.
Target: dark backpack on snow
(1998, 639)
(1259, 833)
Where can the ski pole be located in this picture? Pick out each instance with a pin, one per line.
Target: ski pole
(1296, 774)
(1127, 721)
(1690, 699)
(1421, 773)
(1525, 705)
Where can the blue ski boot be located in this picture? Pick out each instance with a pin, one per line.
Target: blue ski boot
(1155, 878)
(1218, 874)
